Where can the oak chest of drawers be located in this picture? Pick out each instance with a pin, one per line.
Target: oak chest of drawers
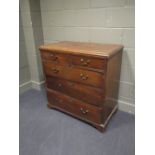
(82, 79)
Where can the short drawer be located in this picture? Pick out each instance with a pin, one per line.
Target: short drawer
(74, 107)
(56, 58)
(89, 62)
(74, 74)
(79, 91)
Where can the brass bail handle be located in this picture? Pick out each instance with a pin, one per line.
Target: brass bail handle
(83, 77)
(54, 57)
(85, 62)
(55, 70)
(83, 111)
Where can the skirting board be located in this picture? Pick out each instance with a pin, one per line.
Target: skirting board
(37, 85)
(31, 84)
(25, 86)
(126, 107)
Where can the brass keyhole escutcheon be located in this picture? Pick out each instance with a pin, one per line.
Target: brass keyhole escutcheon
(71, 84)
(59, 85)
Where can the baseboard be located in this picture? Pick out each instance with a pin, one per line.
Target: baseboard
(37, 85)
(31, 84)
(126, 107)
(25, 86)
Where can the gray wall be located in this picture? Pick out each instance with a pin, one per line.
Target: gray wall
(24, 72)
(101, 21)
(32, 28)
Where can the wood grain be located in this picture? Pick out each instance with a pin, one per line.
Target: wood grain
(79, 91)
(80, 48)
(74, 74)
(74, 106)
(82, 79)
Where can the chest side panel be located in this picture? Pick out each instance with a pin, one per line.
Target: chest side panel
(112, 83)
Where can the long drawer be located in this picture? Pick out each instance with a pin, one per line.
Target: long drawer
(74, 74)
(74, 107)
(86, 93)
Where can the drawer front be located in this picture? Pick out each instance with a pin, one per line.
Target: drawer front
(55, 58)
(71, 73)
(82, 92)
(89, 62)
(75, 107)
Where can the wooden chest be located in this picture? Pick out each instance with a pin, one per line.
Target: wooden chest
(82, 79)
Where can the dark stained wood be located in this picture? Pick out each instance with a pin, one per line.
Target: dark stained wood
(74, 74)
(79, 91)
(112, 83)
(55, 58)
(76, 107)
(89, 62)
(82, 79)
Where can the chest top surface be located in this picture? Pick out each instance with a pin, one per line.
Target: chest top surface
(91, 49)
